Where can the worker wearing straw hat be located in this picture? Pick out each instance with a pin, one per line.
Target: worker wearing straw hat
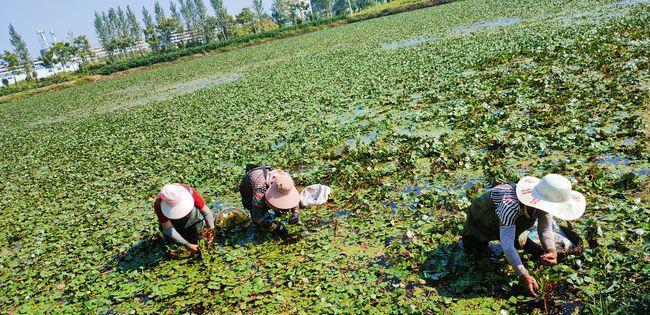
(504, 212)
(263, 189)
(182, 214)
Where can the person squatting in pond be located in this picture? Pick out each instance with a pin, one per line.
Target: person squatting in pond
(265, 188)
(182, 214)
(505, 211)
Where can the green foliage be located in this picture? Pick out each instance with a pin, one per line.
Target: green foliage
(20, 49)
(223, 45)
(59, 53)
(406, 134)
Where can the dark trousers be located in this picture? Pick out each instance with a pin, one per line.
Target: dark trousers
(474, 244)
(471, 243)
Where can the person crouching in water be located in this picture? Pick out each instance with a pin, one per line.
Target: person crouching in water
(182, 214)
(265, 188)
(507, 210)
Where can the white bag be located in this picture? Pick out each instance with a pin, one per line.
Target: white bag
(314, 195)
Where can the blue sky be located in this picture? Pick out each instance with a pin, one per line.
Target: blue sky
(63, 16)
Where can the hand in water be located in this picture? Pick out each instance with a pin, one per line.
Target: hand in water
(530, 283)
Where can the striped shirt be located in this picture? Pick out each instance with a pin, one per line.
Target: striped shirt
(508, 209)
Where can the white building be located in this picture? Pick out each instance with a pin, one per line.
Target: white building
(302, 14)
(40, 69)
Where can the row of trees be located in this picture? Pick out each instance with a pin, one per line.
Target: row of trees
(62, 52)
(291, 12)
(187, 22)
(19, 60)
(119, 31)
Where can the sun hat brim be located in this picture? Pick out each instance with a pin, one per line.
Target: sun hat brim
(179, 210)
(572, 209)
(282, 201)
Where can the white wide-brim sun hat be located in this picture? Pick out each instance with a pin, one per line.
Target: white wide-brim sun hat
(552, 194)
(177, 201)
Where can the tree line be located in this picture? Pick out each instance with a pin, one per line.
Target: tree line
(188, 23)
(19, 60)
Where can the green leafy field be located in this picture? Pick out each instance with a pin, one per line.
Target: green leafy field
(407, 117)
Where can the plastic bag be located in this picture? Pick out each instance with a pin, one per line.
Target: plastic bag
(314, 195)
(562, 242)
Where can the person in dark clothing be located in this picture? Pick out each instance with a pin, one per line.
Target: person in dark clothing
(263, 189)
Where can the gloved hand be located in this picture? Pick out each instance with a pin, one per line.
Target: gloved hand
(281, 230)
(295, 218)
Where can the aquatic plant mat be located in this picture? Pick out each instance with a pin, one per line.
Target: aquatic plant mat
(405, 136)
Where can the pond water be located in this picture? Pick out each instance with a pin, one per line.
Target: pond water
(227, 164)
(158, 94)
(416, 96)
(460, 29)
(407, 42)
(431, 133)
(478, 26)
(599, 14)
(610, 159)
(278, 145)
(348, 117)
(172, 91)
(461, 183)
(342, 213)
(628, 142)
(248, 237)
(627, 2)
(369, 138)
(365, 139)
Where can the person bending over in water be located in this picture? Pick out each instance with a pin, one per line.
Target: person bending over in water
(265, 188)
(182, 214)
(505, 211)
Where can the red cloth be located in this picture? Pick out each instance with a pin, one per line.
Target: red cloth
(199, 203)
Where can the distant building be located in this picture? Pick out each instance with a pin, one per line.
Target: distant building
(100, 53)
(302, 14)
(40, 70)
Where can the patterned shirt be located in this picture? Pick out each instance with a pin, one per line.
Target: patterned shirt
(258, 181)
(508, 209)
